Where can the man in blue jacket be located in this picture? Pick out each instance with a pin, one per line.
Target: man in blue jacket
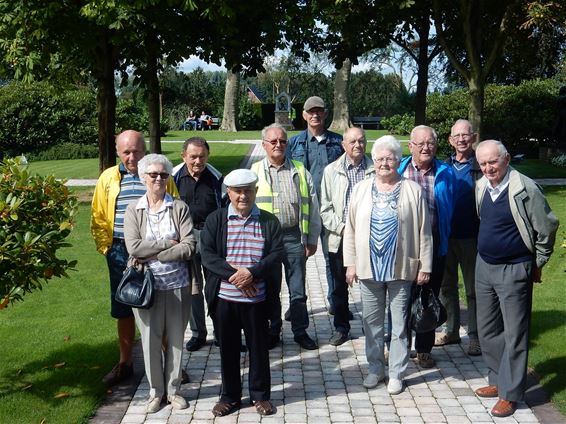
(316, 147)
(437, 180)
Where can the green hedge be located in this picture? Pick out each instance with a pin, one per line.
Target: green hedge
(520, 116)
(37, 116)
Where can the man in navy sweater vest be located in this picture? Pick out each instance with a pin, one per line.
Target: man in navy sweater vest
(516, 238)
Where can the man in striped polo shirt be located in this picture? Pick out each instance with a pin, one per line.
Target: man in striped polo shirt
(116, 188)
(241, 246)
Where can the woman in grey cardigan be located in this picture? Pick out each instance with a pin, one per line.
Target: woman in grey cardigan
(159, 232)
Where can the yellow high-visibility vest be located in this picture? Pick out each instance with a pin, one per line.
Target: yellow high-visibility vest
(264, 197)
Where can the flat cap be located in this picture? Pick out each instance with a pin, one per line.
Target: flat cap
(240, 178)
(313, 102)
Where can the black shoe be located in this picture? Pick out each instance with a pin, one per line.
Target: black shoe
(306, 342)
(195, 343)
(185, 377)
(119, 373)
(273, 341)
(288, 315)
(331, 310)
(338, 338)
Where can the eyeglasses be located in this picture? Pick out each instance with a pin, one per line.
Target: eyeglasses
(420, 146)
(278, 140)
(154, 175)
(387, 159)
(463, 135)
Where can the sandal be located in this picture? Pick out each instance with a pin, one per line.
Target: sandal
(224, 408)
(263, 407)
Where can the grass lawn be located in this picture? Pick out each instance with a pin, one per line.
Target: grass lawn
(245, 135)
(548, 345)
(224, 156)
(58, 344)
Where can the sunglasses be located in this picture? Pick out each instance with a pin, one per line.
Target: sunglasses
(154, 175)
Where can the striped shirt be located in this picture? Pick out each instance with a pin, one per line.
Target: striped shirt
(426, 180)
(244, 248)
(355, 174)
(285, 196)
(131, 189)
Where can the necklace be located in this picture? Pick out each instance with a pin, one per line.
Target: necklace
(154, 219)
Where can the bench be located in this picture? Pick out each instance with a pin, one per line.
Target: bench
(518, 158)
(215, 124)
(367, 121)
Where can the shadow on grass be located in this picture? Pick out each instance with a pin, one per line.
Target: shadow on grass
(76, 370)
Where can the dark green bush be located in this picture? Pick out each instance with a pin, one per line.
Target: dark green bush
(37, 115)
(249, 115)
(65, 151)
(398, 124)
(520, 116)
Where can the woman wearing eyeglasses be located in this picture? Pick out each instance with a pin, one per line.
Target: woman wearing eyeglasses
(159, 232)
(387, 246)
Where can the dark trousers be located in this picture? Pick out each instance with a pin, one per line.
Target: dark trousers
(230, 319)
(424, 342)
(339, 293)
(504, 298)
(294, 264)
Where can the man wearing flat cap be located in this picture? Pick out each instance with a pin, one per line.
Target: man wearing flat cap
(241, 245)
(316, 147)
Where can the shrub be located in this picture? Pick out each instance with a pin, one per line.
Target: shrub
(37, 115)
(398, 124)
(559, 160)
(65, 151)
(249, 115)
(36, 215)
(520, 116)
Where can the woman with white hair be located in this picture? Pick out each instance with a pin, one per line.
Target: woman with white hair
(387, 247)
(159, 233)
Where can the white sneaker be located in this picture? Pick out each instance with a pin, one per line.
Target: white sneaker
(153, 405)
(395, 386)
(177, 402)
(372, 380)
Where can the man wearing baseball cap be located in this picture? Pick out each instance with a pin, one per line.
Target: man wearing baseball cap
(241, 245)
(316, 147)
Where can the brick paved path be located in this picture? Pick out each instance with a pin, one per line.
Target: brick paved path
(325, 385)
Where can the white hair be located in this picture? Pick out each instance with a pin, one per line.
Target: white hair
(387, 142)
(152, 159)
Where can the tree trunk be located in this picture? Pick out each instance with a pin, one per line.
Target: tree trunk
(106, 103)
(153, 106)
(475, 108)
(341, 113)
(231, 100)
(423, 29)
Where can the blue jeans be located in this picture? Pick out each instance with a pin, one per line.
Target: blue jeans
(373, 296)
(117, 260)
(295, 262)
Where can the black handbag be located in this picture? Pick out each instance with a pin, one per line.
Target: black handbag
(427, 312)
(136, 287)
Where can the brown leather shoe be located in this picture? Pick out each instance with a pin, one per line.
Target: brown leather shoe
(487, 392)
(504, 408)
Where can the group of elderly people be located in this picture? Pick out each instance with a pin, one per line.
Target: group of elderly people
(387, 225)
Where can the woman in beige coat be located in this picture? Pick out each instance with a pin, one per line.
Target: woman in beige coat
(159, 232)
(387, 247)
